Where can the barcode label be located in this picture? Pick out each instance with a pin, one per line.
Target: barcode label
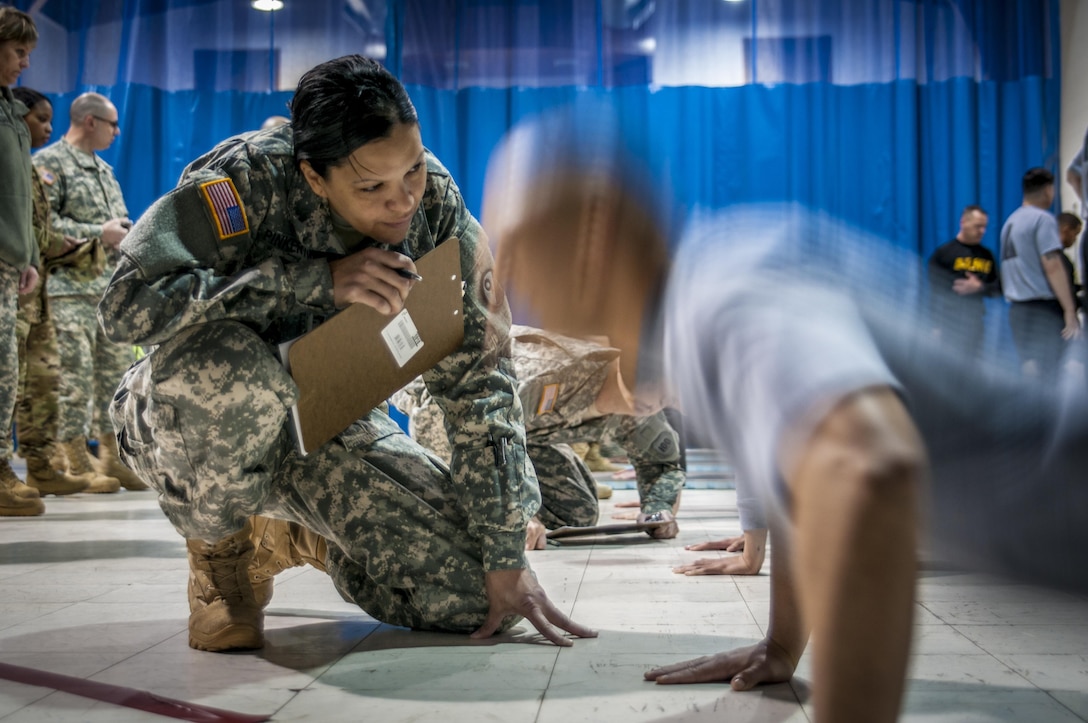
(402, 337)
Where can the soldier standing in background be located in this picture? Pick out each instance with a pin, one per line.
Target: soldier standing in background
(86, 202)
(38, 407)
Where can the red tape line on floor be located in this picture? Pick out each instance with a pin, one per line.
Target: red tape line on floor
(128, 697)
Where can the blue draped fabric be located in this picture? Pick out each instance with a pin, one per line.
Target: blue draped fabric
(891, 114)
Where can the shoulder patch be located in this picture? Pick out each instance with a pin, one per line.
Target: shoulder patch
(226, 207)
(548, 396)
(47, 176)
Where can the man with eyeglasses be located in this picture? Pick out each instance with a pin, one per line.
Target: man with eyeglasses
(86, 202)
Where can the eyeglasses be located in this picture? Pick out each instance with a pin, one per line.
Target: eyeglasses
(116, 125)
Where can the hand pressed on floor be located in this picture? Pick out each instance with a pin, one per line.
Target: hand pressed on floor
(516, 592)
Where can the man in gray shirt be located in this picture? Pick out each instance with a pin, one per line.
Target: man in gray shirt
(1043, 314)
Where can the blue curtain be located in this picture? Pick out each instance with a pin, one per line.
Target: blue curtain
(891, 114)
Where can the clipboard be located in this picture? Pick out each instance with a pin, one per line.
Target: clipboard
(618, 528)
(356, 359)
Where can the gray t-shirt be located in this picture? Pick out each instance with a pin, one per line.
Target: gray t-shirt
(754, 350)
(1028, 233)
(770, 321)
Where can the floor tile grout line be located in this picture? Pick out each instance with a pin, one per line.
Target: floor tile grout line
(559, 651)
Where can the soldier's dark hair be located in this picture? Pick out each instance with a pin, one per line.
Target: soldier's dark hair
(343, 104)
(28, 96)
(17, 26)
(1035, 180)
(1070, 220)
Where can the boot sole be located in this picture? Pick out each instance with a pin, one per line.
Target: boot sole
(32, 511)
(59, 491)
(134, 488)
(108, 491)
(232, 637)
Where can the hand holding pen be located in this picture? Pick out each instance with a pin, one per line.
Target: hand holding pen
(374, 276)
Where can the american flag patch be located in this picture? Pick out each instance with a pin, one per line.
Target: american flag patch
(226, 207)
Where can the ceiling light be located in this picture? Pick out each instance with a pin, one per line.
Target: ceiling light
(267, 5)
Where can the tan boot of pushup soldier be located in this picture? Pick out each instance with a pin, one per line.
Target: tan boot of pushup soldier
(79, 463)
(13, 504)
(223, 614)
(108, 464)
(596, 461)
(281, 545)
(42, 477)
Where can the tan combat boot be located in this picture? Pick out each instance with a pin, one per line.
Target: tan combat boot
(21, 489)
(13, 504)
(281, 545)
(41, 476)
(596, 462)
(108, 464)
(223, 614)
(79, 463)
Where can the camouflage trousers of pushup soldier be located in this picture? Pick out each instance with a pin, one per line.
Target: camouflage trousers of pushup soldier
(568, 490)
(202, 420)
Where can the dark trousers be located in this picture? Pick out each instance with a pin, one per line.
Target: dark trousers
(1037, 332)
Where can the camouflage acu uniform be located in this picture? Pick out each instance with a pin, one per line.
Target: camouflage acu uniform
(202, 416)
(36, 413)
(83, 194)
(17, 247)
(559, 379)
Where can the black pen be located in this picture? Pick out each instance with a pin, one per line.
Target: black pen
(409, 275)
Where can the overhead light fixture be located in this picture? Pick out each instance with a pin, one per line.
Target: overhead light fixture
(267, 5)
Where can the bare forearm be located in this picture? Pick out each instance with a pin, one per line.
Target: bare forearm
(786, 629)
(1076, 182)
(854, 509)
(1059, 282)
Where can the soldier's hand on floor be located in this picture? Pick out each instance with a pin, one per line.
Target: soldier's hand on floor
(665, 532)
(745, 668)
(753, 547)
(516, 592)
(735, 565)
(729, 544)
(373, 277)
(629, 503)
(633, 515)
(536, 536)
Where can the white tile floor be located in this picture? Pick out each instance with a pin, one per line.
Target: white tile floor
(96, 589)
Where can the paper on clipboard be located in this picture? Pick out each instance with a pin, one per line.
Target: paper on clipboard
(355, 360)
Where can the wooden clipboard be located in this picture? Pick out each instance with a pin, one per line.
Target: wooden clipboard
(355, 360)
(618, 528)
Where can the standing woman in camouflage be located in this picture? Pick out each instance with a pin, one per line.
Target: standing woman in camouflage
(266, 236)
(37, 409)
(18, 249)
